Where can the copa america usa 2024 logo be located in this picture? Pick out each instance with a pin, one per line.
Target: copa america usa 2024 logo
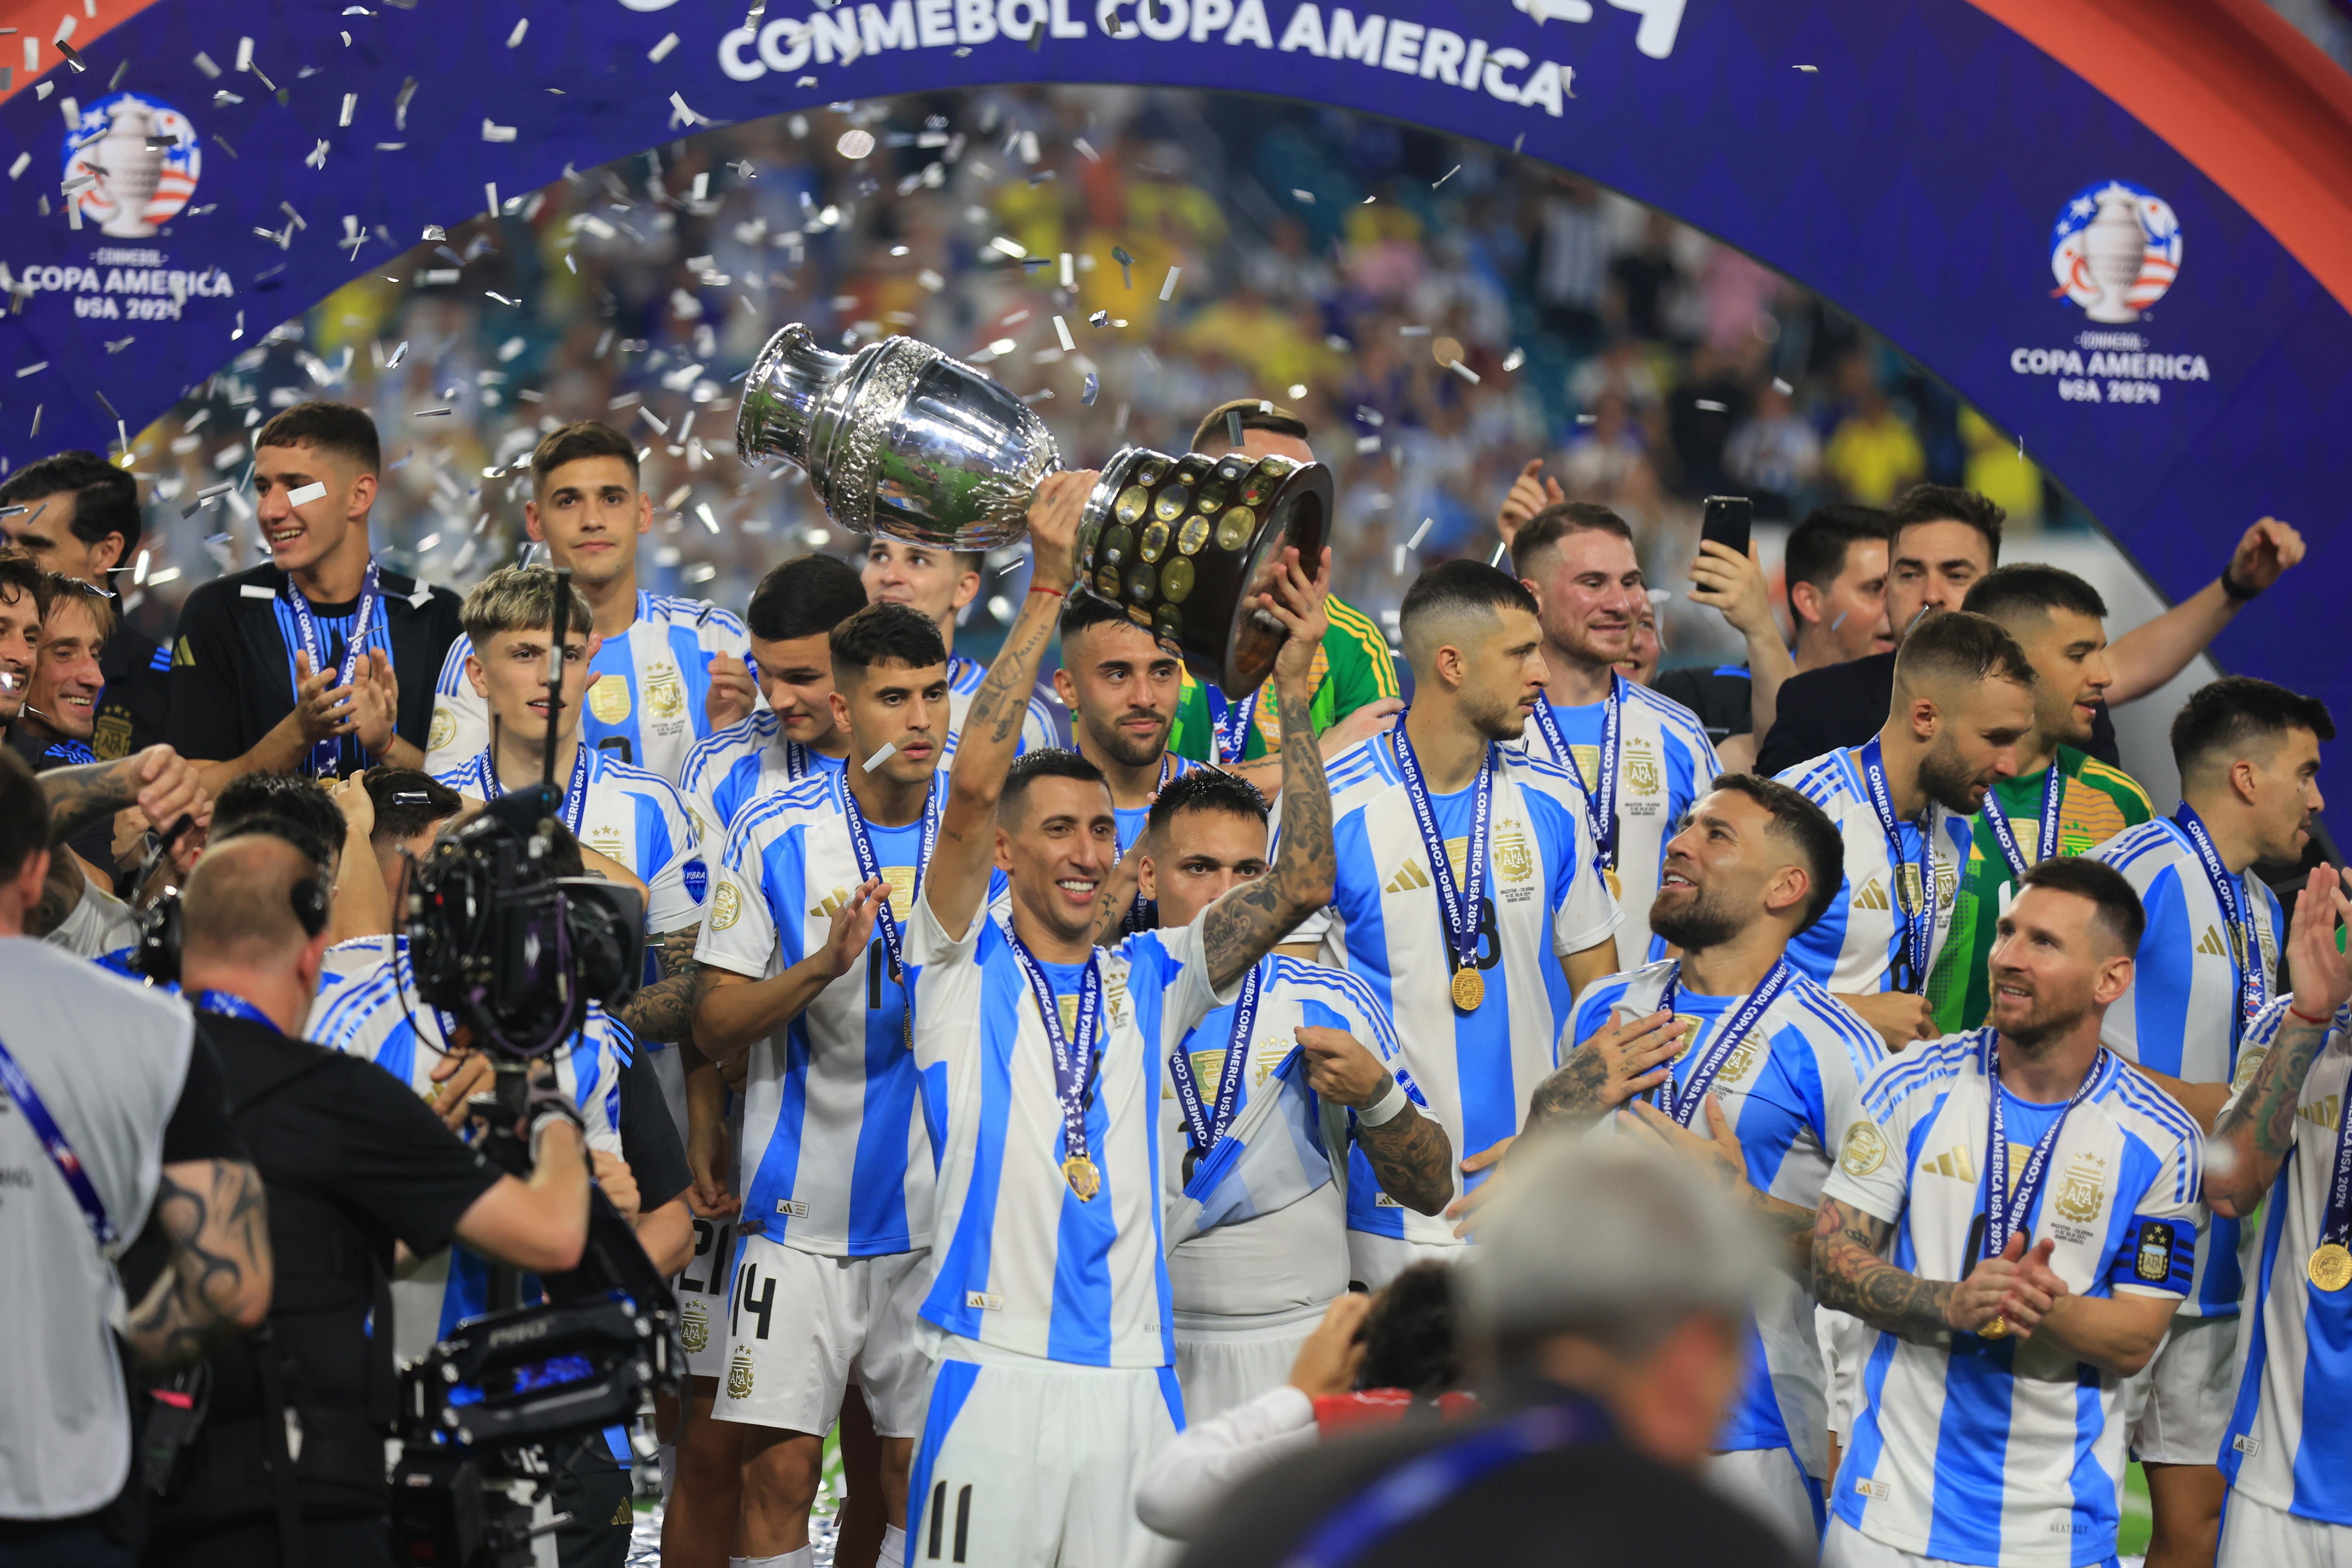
(132, 163)
(2114, 252)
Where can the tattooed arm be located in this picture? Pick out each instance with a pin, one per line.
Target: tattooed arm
(1412, 1157)
(157, 780)
(1719, 1154)
(2257, 1125)
(215, 1217)
(663, 1012)
(1849, 1276)
(1629, 1058)
(1244, 925)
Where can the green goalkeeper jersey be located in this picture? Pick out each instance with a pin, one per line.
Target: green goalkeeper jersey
(1352, 668)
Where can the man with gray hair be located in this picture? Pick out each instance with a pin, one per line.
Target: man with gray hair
(1613, 1329)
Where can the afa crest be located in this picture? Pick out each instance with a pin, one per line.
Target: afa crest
(694, 1328)
(726, 905)
(2083, 1191)
(1643, 774)
(1515, 858)
(739, 1375)
(664, 692)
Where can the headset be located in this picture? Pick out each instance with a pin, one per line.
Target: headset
(162, 927)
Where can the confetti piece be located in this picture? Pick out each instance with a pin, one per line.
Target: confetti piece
(702, 510)
(351, 102)
(1094, 387)
(204, 64)
(1497, 558)
(677, 103)
(500, 298)
(306, 494)
(523, 26)
(854, 144)
(1069, 270)
(492, 133)
(1448, 175)
(1168, 287)
(1709, 405)
(889, 749)
(930, 280)
(429, 413)
(400, 103)
(1368, 444)
(1519, 140)
(318, 155)
(653, 419)
(1810, 71)
(660, 51)
(1303, 198)
(490, 194)
(73, 57)
(1420, 533)
(37, 365)
(1783, 388)
(1370, 416)
(1513, 359)
(1062, 332)
(1086, 150)
(1125, 267)
(1232, 427)
(23, 161)
(1010, 247)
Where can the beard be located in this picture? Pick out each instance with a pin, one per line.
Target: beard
(1125, 746)
(2041, 1024)
(1704, 922)
(1948, 780)
(1496, 718)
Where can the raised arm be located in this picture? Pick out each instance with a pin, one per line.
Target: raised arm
(215, 1216)
(2150, 654)
(1244, 925)
(157, 780)
(2257, 1128)
(955, 885)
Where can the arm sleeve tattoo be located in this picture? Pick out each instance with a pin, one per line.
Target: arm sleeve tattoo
(1849, 1276)
(1245, 924)
(1413, 1159)
(2259, 1122)
(216, 1217)
(663, 1012)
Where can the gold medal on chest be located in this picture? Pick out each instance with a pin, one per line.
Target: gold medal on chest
(2331, 1267)
(1085, 1180)
(1469, 990)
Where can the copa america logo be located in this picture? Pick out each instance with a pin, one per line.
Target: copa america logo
(132, 164)
(2114, 250)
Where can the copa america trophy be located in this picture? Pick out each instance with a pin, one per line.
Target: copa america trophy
(901, 441)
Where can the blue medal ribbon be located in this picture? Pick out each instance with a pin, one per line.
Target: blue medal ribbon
(2245, 943)
(1205, 1125)
(1143, 912)
(2053, 791)
(2335, 1219)
(329, 752)
(2006, 1212)
(228, 1004)
(1685, 1106)
(1461, 914)
(53, 1143)
(1600, 798)
(575, 793)
(869, 868)
(1919, 923)
(1073, 1060)
(1232, 727)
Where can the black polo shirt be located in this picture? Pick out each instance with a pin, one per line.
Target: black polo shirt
(232, 661)
(1840, 706)
(1720, 697)
(131, 711)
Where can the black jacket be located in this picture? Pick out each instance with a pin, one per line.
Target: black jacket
(1840, 706)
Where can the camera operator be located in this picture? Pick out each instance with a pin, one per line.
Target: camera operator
(287, 1464)
(111, 1113)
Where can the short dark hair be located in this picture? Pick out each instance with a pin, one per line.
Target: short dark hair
(1548, 527)
(807, 596)
(1045, 762)
(2011, 593)
(570, 442)
(106, 498)
(332, 426)
(1947, 504)
(1411, 1337)
(1961, 646)
(104, 612)
(885, 632)
(300, 836)
(318, 822)
(408, 801)
(2221, 717)
(1216, 431)
(2119, 908)
(24, 813)
(1817, 547)
(1458, 585)
(1081, 612)
(1806, 825)
(19, 576)
(1206, 790)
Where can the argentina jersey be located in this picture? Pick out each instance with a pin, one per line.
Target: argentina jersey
(1790, 1090)
(1664, 762)
(1852, 948)
(747, 761)
(1022, 1263)
(1543, 899)
(632, 817)
(2287, 1445)
(646, 704)
(2006, 1451)
(836, 1159)
(2181, 1017)
(335, 635)
(1047, 723)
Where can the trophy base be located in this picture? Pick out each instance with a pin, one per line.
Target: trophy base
(1185, 545)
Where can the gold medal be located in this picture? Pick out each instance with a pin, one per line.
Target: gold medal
(1616, 883)
(2330, 1267)
(1997, 1329)
(1469, 990)
(1083, 1179)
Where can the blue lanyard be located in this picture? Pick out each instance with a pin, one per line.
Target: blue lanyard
(796, 761)
(1072, 1060)
(1919, 923)
(1232, 727)
(228, 1004)
(869, 867)
(2335, 1222)
(2006, 1212)
(1141, 915)
(1461, 914)
(575, 793)
(1205, 1125)
(2053, 791)
(53, 1142)
(1683, 1106)
(2245, 943)
(1600, 797)
(329, 752)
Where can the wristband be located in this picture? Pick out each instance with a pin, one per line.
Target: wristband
(2236, 592)
(2307, 1017)
(1386, 1109)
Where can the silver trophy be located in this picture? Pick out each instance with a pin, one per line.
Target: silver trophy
(901, 441)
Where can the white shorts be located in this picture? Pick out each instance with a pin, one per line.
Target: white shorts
(1845, 1342)
(2178, 1405)
(1374, 1261)
(1026, 1463)
(801, 1326)
(701, 1288)
(2256, 1536)
(1773, 1487)
(1223, 1367)
(1843, 1546)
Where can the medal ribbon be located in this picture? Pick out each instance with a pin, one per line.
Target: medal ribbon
(575, 793)
(1683, 1107)
(1233, 728)
(1919, 924)
(1461, 914)
(2053, 789)
(53, 1143)
(1072, 1060)
(228, 1004)
(2006, 1213)
(2335, 1222)
(1204, 1126)
(2246, 952)
(1140, 913)
(869, 867)
(1601, 799)
(329, 752)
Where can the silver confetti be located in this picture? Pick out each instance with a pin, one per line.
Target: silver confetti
(1514, 358)
(1094, 386)
(523, 26)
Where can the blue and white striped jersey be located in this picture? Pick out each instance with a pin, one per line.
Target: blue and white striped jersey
(1790, 1090)
(1025, 1265)
(1047, 722)
(1852, 948)
(2287, 1444)
(646, 704)
(2006, 1451)
(2181, 1016)
(745, 762)
(1663, 763)
(1543, 900)
(632, 817)
(1294, 1255)
(835, 1160)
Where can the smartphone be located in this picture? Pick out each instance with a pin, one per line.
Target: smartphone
(1724, 520)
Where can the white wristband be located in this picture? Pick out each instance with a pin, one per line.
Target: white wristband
(1385, 1109)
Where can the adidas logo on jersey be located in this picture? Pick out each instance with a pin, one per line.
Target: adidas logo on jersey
(2322, 1113)
(1877, 1491)
(1955, 1162)
(1412, 877)
(2210, 944)
(1872, 896)
(832, 903)
(792, 1208)
(984, 1301)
